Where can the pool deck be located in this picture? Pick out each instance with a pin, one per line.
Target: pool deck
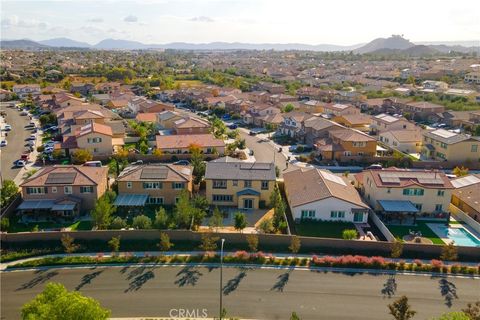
(436, 229)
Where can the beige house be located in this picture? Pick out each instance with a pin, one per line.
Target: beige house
(181, 143)
(156, 184)
(94, 137)
(239, 184)
(338, 109)
(408, 141)
(466, 195)
(396, 191)
(63, 191)
(445, 145)
(166, 119)
(384, 122)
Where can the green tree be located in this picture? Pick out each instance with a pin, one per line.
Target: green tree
(197, 163)
(453, 316)
(397, 248)
(477, 130)
(4, 224)
(449, 252)
(29, 173)
(240, 221)
(81, 156)
(114, 244)
(252, 240)
(8, 192)
(68, 243)
(118, 223)
(288, 108)
(460, 171)
(411, 80)
(241, 144)
(216, 220)
(183, 210)
(401, 310)
(161, 219)
(294, 316)
(165, 243)
(208, 242)
(295, 244)
(349, 234)
(279, 216)
(103, 211)
(55, 302)
(142, 222)
(266, 226)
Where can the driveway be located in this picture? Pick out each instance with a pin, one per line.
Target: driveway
(16, 142)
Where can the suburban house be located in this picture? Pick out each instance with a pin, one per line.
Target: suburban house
(407, 141)
(107, 87)
(357, 121)
(24, 90)
(466, 195)
(317, 128)
(311, 106)
(240, 184)
(166, 119)
(63, 191)
(83, 88)
(422, 109)
(158, 184)
(146, 117)
(292, 124)
(273, 88)
(445, 145)
(258, 112)
(320, 195)
(190, 125)
(473, 77)
(434, 86)
(94, 137)
(181, 143)
(144, 105)
(337, 109)
(346, 144)
(395, 192)
(385, 122)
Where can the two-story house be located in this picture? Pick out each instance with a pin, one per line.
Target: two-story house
(445, 145)
(337, 109)
(466, 196)
(385, 122)
(293, 124)
(156, 184)
(190, 125)
(316, 128)
(25, 90)
(407, 141)
(94, 137)
(181, 143)
(346, 144)
(63, 191)
(357, 121)
(240, 184)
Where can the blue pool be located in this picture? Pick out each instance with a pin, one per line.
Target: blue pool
(460, 235)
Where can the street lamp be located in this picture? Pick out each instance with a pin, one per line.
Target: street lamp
(221, 279)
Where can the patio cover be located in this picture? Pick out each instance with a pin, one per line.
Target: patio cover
(397, 206)
(63, 206)
(131, 200)
(248, 192)
(36, 204)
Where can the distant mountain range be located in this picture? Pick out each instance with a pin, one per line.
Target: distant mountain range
(394, 44)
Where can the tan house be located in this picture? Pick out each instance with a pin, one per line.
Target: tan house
(63, 191)
(311, 106)
(346, 144)
(189, 125)
(166, 119)
(181, 143)
(466, 195)
(94, 137)
(338, 109)
(385, 122)
(156, 184)
(407, 141)
(445, 145)
(240, 184)
(357, 121)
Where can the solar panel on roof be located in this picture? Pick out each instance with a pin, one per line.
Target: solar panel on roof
(430, 180)
(390, 179)
(255, 166)
(333, 178)
(61, 178)
(154, 173)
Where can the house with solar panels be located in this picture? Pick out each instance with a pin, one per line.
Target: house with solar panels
(62, 191)
(245, 185)
(444, 145)
(152, 184)
(404, 195)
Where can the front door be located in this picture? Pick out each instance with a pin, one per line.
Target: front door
(358, 217)
(248, 203)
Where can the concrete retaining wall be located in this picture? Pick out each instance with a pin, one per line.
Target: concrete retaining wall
(388, 235)
(460, 215)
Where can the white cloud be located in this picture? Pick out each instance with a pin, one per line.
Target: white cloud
(130, 18)
(202, 19)
(95, 20)
(15, 21)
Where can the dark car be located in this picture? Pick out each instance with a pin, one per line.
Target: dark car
(233, 126)
(182, 163)
(252, 133)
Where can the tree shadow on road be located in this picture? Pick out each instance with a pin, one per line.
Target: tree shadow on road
(137, 283)
(87, 279)
(37, 280)
(232, 284)
(188, 276)
(448, 290)
(211, 268)
(282, 281)
(389, 287)
(124, 269)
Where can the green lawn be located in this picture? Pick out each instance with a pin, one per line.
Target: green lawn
(15, 226)
(323, 229)
(400, 231)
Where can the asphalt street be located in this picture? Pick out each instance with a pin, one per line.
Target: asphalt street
(16, 142)
(248, 293)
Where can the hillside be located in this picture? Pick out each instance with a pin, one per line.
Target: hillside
(65, 42)
(22, 44)
(394, 42)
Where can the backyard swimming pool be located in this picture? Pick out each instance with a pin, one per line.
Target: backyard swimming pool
(459, 234)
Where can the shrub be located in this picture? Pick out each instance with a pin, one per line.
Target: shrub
(118, 223)
(142, 222)
(349, 234)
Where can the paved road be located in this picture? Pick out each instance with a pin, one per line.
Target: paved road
(254, 293)
(16, 142)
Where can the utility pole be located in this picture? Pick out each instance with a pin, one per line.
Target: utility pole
(221, 280)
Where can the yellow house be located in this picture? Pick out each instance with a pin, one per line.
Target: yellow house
(94, 137)
(445, 145)
(239, 184)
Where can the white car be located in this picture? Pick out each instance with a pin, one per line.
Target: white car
(32, 137)
(31, 143)
(49, 144)
(48, 150)
(7, 127)
(3, 143)
(19, 163)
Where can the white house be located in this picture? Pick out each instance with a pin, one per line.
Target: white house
(320, 195)
(23, 90)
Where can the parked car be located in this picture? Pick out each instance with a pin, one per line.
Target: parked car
(252, 133)
(48, 150)
(24, 113)
(19, 163)
(93, 164)
(25, 157)
(7, 127)
(376, 166)
(251, 152)
(30, 143)
(3, 143)
(233, 126)
(32, 137)
(182, 163)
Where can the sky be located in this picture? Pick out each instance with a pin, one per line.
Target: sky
(341, 22)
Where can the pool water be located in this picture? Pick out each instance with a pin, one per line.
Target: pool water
(460, 235)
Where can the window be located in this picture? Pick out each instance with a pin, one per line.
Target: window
(443, 145)
(178, 185)
(413, 192)
(359, 144)
(155, 200)
(219, 184)
(36, 190)
(95, 150)
(248, 183)
(235, 183)
(54, 189)
(129, 184)
(308, 214)
(474, 148)
(389, 190)
(94, 140)
(438, 208)
(337, 214)
(418, 206)
(152, 185)
(264, 185)
(67, 189)
(223, 197)
(440, 193)
(86, 189)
